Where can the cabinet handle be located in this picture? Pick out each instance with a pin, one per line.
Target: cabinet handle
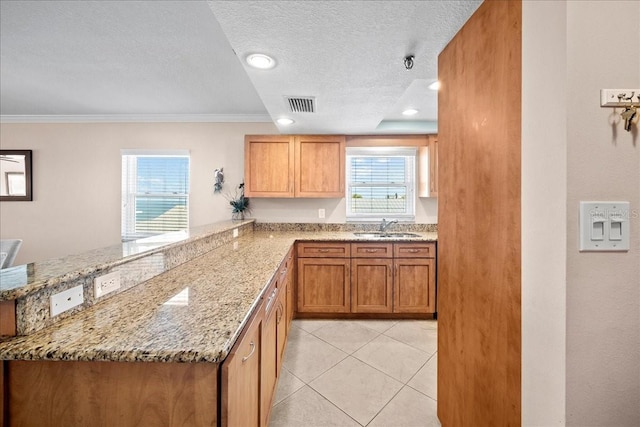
(371, 251)
(253, 349)
(270, 300)
(283, 272)
(324, 251)
(413, 251)
(279, 314)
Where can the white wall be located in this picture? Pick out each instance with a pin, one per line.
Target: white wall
(76, 178)
(571, 50)
(544, 228)
(603, 289)
(76, 182)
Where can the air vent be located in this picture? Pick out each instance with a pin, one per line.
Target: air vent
(301, 104)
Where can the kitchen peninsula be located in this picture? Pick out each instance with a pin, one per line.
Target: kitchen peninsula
(155, 353)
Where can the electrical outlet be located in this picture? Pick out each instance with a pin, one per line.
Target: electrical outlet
(321, 213)
(66, 300)
(235, 232)
(108, 283)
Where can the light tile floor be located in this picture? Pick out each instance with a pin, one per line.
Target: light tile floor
(358, 373)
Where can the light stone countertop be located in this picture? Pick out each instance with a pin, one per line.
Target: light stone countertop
(191, 313)
(21, 280)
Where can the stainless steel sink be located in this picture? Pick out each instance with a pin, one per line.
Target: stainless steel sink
(375, 235)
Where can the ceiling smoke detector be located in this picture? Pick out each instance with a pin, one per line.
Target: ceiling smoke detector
(301, 104)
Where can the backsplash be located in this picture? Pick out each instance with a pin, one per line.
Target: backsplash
(33, 307)
(310, 227)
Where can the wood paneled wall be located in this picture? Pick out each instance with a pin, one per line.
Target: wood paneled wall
(479, 284)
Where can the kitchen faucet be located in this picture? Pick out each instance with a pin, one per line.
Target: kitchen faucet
(384, 225)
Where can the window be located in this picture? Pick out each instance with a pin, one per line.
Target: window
(380, 183)
(155, 192)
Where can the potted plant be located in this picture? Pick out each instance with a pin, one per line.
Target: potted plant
(239, 203)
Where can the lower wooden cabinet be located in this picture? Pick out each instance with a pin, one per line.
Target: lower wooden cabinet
(414, 285)
(281, 326)
(324, 285)
(269, 355)
(371, 285)
(241, 372)
(366, 278)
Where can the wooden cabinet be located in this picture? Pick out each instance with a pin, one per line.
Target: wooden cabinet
(323, 277)
(366, 277)
(269, 363)
(323, 285)
(433, 165)
(281, 325)
(268, 166)
(319, 166)
(241, 377)
(371, 277)
(414, 285)
(274, 335)
(414, 281)
(428, 168)
(294, 166)
(371, 285)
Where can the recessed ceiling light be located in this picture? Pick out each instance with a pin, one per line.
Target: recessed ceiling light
(261, 61)
(285, 121)
(435, 85)
(410, 112)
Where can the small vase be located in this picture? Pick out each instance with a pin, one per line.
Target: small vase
(237, 216)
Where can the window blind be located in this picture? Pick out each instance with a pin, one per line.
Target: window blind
(380, 183)
(155, 194)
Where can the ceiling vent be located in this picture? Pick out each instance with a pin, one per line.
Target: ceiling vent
(301, 104)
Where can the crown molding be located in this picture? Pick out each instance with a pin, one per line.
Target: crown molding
(137, 118)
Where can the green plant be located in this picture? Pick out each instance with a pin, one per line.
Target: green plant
(238, 201)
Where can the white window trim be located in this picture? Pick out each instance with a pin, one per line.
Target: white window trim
(411, 186)
(129, 193)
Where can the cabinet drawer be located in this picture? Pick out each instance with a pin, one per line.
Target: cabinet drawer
(414, 250)
(371, 250)
(324, 250)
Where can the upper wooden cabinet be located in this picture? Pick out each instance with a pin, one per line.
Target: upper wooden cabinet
(268, 166)
(428, 168)
(294, 166)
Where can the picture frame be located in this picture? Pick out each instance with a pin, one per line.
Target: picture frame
(15, 176)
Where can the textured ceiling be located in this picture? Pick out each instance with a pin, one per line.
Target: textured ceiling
(173, 59)
(348, 54)
(119, 58)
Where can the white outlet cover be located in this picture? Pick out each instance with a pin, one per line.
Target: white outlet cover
(106, 284)
(235, 232)
(66, 300)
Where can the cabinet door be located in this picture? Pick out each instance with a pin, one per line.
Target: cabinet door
(269, 355)
(323, 285)
(433, 166)
(268, 165)
(319, 166)
(371, 285)
(281, 322)
(289, 304)
(414, 285)
(240, 389)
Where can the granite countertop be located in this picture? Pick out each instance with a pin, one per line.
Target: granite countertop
(23, 279)
(191, 313)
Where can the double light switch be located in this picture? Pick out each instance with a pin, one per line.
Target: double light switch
(604, 226)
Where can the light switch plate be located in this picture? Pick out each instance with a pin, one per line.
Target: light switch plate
(604, 226)
(66, 300)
